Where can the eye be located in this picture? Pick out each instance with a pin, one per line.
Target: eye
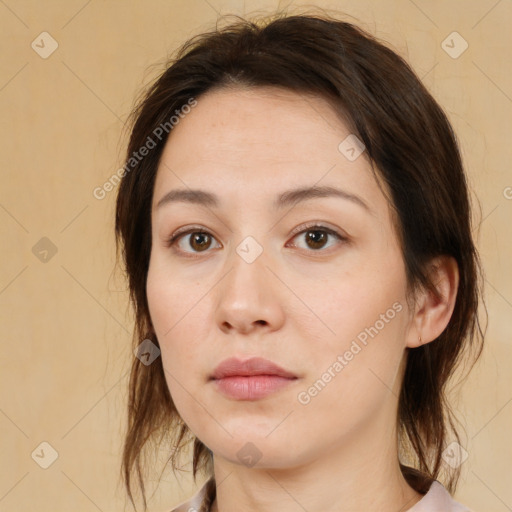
(317, 236)
(200, 241)
(316, 239)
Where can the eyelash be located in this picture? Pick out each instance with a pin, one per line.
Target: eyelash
(172, 241)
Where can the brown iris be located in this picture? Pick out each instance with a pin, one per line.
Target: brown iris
(317, 238)
(197, 241)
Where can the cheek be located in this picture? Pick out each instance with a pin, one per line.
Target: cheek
(361, 338)
(179, 351)
(356, 379)
(178, 314)
(171, 300)
(355, 306)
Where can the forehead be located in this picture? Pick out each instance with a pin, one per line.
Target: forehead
(265, 139)
(265, 122)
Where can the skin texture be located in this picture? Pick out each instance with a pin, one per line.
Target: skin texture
(298, 304)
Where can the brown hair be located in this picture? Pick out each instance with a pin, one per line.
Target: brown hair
(411, 144)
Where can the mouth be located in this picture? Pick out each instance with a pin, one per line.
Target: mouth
(253, 379)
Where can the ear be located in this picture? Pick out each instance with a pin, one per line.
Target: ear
(432, 314)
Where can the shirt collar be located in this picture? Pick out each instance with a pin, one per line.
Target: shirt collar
(437, 498)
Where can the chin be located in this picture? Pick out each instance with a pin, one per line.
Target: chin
(257, 449)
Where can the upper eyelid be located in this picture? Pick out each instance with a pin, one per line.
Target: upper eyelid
(304, 226)
(296, 231)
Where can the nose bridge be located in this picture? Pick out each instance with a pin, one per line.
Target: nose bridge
(248, 275)
(248, 293)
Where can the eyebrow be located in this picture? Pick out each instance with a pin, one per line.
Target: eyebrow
(290, 197)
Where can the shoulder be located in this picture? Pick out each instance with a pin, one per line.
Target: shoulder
(201, 501)
(436, 499)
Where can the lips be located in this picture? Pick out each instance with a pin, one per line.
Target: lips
(234, 367)
(253, 379)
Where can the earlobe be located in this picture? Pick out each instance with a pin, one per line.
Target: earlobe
(434, 310)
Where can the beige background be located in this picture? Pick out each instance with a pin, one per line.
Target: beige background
(65, 324)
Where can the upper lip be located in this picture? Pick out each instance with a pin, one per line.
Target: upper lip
(253, 366)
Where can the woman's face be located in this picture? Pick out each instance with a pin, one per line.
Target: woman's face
(326, 303)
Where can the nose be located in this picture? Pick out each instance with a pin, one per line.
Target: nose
(250, 297)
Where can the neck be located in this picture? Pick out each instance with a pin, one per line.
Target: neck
(352, 476)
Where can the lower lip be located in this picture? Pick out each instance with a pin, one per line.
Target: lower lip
(251, 388)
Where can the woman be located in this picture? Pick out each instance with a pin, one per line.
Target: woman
(304, 278)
